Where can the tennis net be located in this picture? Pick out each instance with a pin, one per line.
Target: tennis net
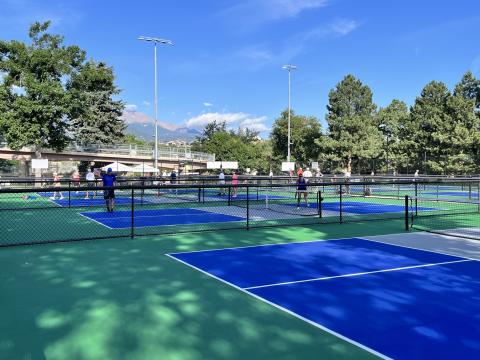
(279, 200)
(459, 218)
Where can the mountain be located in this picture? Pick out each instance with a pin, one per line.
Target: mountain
(142, 126)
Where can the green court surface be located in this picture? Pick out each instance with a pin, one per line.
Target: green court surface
(124, 299)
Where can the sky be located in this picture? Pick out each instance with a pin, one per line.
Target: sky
(226, 61)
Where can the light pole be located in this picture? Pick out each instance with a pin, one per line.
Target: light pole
(155, 42)
(289, 68)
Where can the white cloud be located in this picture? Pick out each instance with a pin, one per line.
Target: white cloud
(344, 27)
(207, 104)
(233, 120)
(258, 11)
(145, 103)
(131, 107)
(260, 55)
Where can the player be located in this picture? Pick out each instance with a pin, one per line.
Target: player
(235, 183)
(301, 189)
(415, 176)
(221, 182)
(109, 179)
(56, 184)
(347, 174)
(90, 177)
(307, 174)
(76, 181)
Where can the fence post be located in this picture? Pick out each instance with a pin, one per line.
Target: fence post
(229, 195)
(132, 229)
(341, 205)
(69, 193)
(248, 207)
(406, 212)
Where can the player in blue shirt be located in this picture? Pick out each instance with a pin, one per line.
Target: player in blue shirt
(109, 179)
(301, 189)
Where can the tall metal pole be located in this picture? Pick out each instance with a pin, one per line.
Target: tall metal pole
(155, 42)
(156, 109)
(289, 68)
(289, 111)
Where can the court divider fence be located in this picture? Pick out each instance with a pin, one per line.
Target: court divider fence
(39, 215)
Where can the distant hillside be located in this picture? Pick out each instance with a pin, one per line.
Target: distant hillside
(142, 126)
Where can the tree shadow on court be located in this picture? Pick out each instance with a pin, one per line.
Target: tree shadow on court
(124, 299)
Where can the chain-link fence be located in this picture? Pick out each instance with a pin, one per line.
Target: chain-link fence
(67, 213)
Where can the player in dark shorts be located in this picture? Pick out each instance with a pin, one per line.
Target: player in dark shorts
(301, 189)
(109, 179)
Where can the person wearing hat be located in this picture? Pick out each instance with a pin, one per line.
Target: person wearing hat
(109, 179)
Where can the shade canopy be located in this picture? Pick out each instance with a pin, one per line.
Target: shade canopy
(116, 166)
(144, 168)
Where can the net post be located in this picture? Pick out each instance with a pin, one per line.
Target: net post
(132, 228)
(406, 212)
(248, 207)
(319, 203)
(341, 203)
(416, 198)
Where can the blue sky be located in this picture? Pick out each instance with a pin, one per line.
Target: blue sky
(227, 60)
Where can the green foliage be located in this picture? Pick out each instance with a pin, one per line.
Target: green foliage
(95, 116)
(132, 139)
(35, 102)
(469, 88)
(352, 132)
(392, 121)
(242, 146)
(303, 132)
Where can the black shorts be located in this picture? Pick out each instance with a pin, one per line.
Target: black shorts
(109, 194)
(90, 184)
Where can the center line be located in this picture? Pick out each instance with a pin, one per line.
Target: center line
(356, 274)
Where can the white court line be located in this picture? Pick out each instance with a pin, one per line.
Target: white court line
(156, 225)
(356, 274)
(163, 215)
(262, 245)
(317, 325)
(98, 222)
(414, 248)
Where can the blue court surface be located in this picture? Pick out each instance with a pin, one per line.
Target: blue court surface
(73, 193)
(158, 217)
(256, 197)
(393, 301)
(98, 201)
(454, 193)
(359, 208)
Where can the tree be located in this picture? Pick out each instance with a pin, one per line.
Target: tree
(35, 101)
(95, 116)
(352, 132)
(209, 130)
(243, 146)
(469, 88)
(431, 127)
(32, 95)
(303, 132)
(392, 121)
